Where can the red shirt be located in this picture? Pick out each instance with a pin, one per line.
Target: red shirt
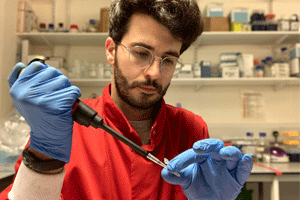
(102, 167)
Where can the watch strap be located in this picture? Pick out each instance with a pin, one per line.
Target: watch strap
(39, 165)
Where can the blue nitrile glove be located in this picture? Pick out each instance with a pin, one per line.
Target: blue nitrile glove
(210, 171)
(45, 98)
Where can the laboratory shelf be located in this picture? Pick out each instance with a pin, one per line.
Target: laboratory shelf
(277, 83)
(207, 38)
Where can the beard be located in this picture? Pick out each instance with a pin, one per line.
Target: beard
(123, 89)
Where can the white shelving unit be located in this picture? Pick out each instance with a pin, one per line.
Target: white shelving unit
(207, 38)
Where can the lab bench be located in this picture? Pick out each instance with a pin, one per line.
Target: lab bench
(261, 173)
(274, 173)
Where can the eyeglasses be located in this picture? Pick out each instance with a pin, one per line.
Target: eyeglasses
(141, 58)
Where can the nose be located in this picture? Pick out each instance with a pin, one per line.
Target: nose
(153, 70)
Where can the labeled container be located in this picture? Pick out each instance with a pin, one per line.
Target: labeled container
(284, 24)
(294, 23)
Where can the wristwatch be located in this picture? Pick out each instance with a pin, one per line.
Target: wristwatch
(41, 166)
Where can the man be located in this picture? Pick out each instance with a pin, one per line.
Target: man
(146, 40)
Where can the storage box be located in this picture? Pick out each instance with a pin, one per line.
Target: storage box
(229, 70)
(216, 24)
(205, 69)
(239, 26)
(214, 10)
(104, 20)
(240, 15)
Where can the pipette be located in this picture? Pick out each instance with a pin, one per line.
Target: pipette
(86, 116)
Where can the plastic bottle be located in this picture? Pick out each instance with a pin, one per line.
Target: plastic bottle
(281, 62)
(284, 24)
(51, 28)
(100, 71)
(43, 27)
(294, 22)
(84, 71)
(92, 71)
(269, 69)
(74, 28)
(92, 26)
(261, 147)
(60, 27)
(259, 71)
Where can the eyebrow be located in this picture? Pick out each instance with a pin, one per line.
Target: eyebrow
(171, 53)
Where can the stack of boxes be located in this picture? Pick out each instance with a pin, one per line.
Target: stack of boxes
(214, 20)
(240, 20)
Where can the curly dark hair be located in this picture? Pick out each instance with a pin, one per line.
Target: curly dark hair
(181, 17)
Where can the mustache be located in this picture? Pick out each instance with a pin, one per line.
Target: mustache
(148, 82)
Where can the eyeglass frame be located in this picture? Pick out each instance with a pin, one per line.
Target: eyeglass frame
(153, 56)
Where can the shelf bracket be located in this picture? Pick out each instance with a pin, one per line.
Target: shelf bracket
(278, 42)
(48, 43)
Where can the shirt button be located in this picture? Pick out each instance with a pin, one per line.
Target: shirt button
(154, 132)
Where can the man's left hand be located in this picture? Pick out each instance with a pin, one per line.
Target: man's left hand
(210, 171)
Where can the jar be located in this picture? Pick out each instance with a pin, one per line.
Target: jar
(43, 27)
(74, 28)
(60, 27)
(92, 26)
(51, 28)
(259, 71)
(284, 24)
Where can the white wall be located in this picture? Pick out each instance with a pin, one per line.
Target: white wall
(8, 49)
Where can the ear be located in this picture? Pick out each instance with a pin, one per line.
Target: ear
(110, 50)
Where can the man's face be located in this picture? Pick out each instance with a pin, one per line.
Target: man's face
(142, 88)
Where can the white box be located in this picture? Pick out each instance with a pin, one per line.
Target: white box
(246, 65)
(230, 72)
(186, 71)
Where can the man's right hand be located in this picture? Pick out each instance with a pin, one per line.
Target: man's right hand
(45, 98)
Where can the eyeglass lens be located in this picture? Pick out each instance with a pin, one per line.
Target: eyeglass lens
(141, 58)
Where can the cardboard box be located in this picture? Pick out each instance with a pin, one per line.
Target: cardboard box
(104, 20)
(216, 24)
(24, 17)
